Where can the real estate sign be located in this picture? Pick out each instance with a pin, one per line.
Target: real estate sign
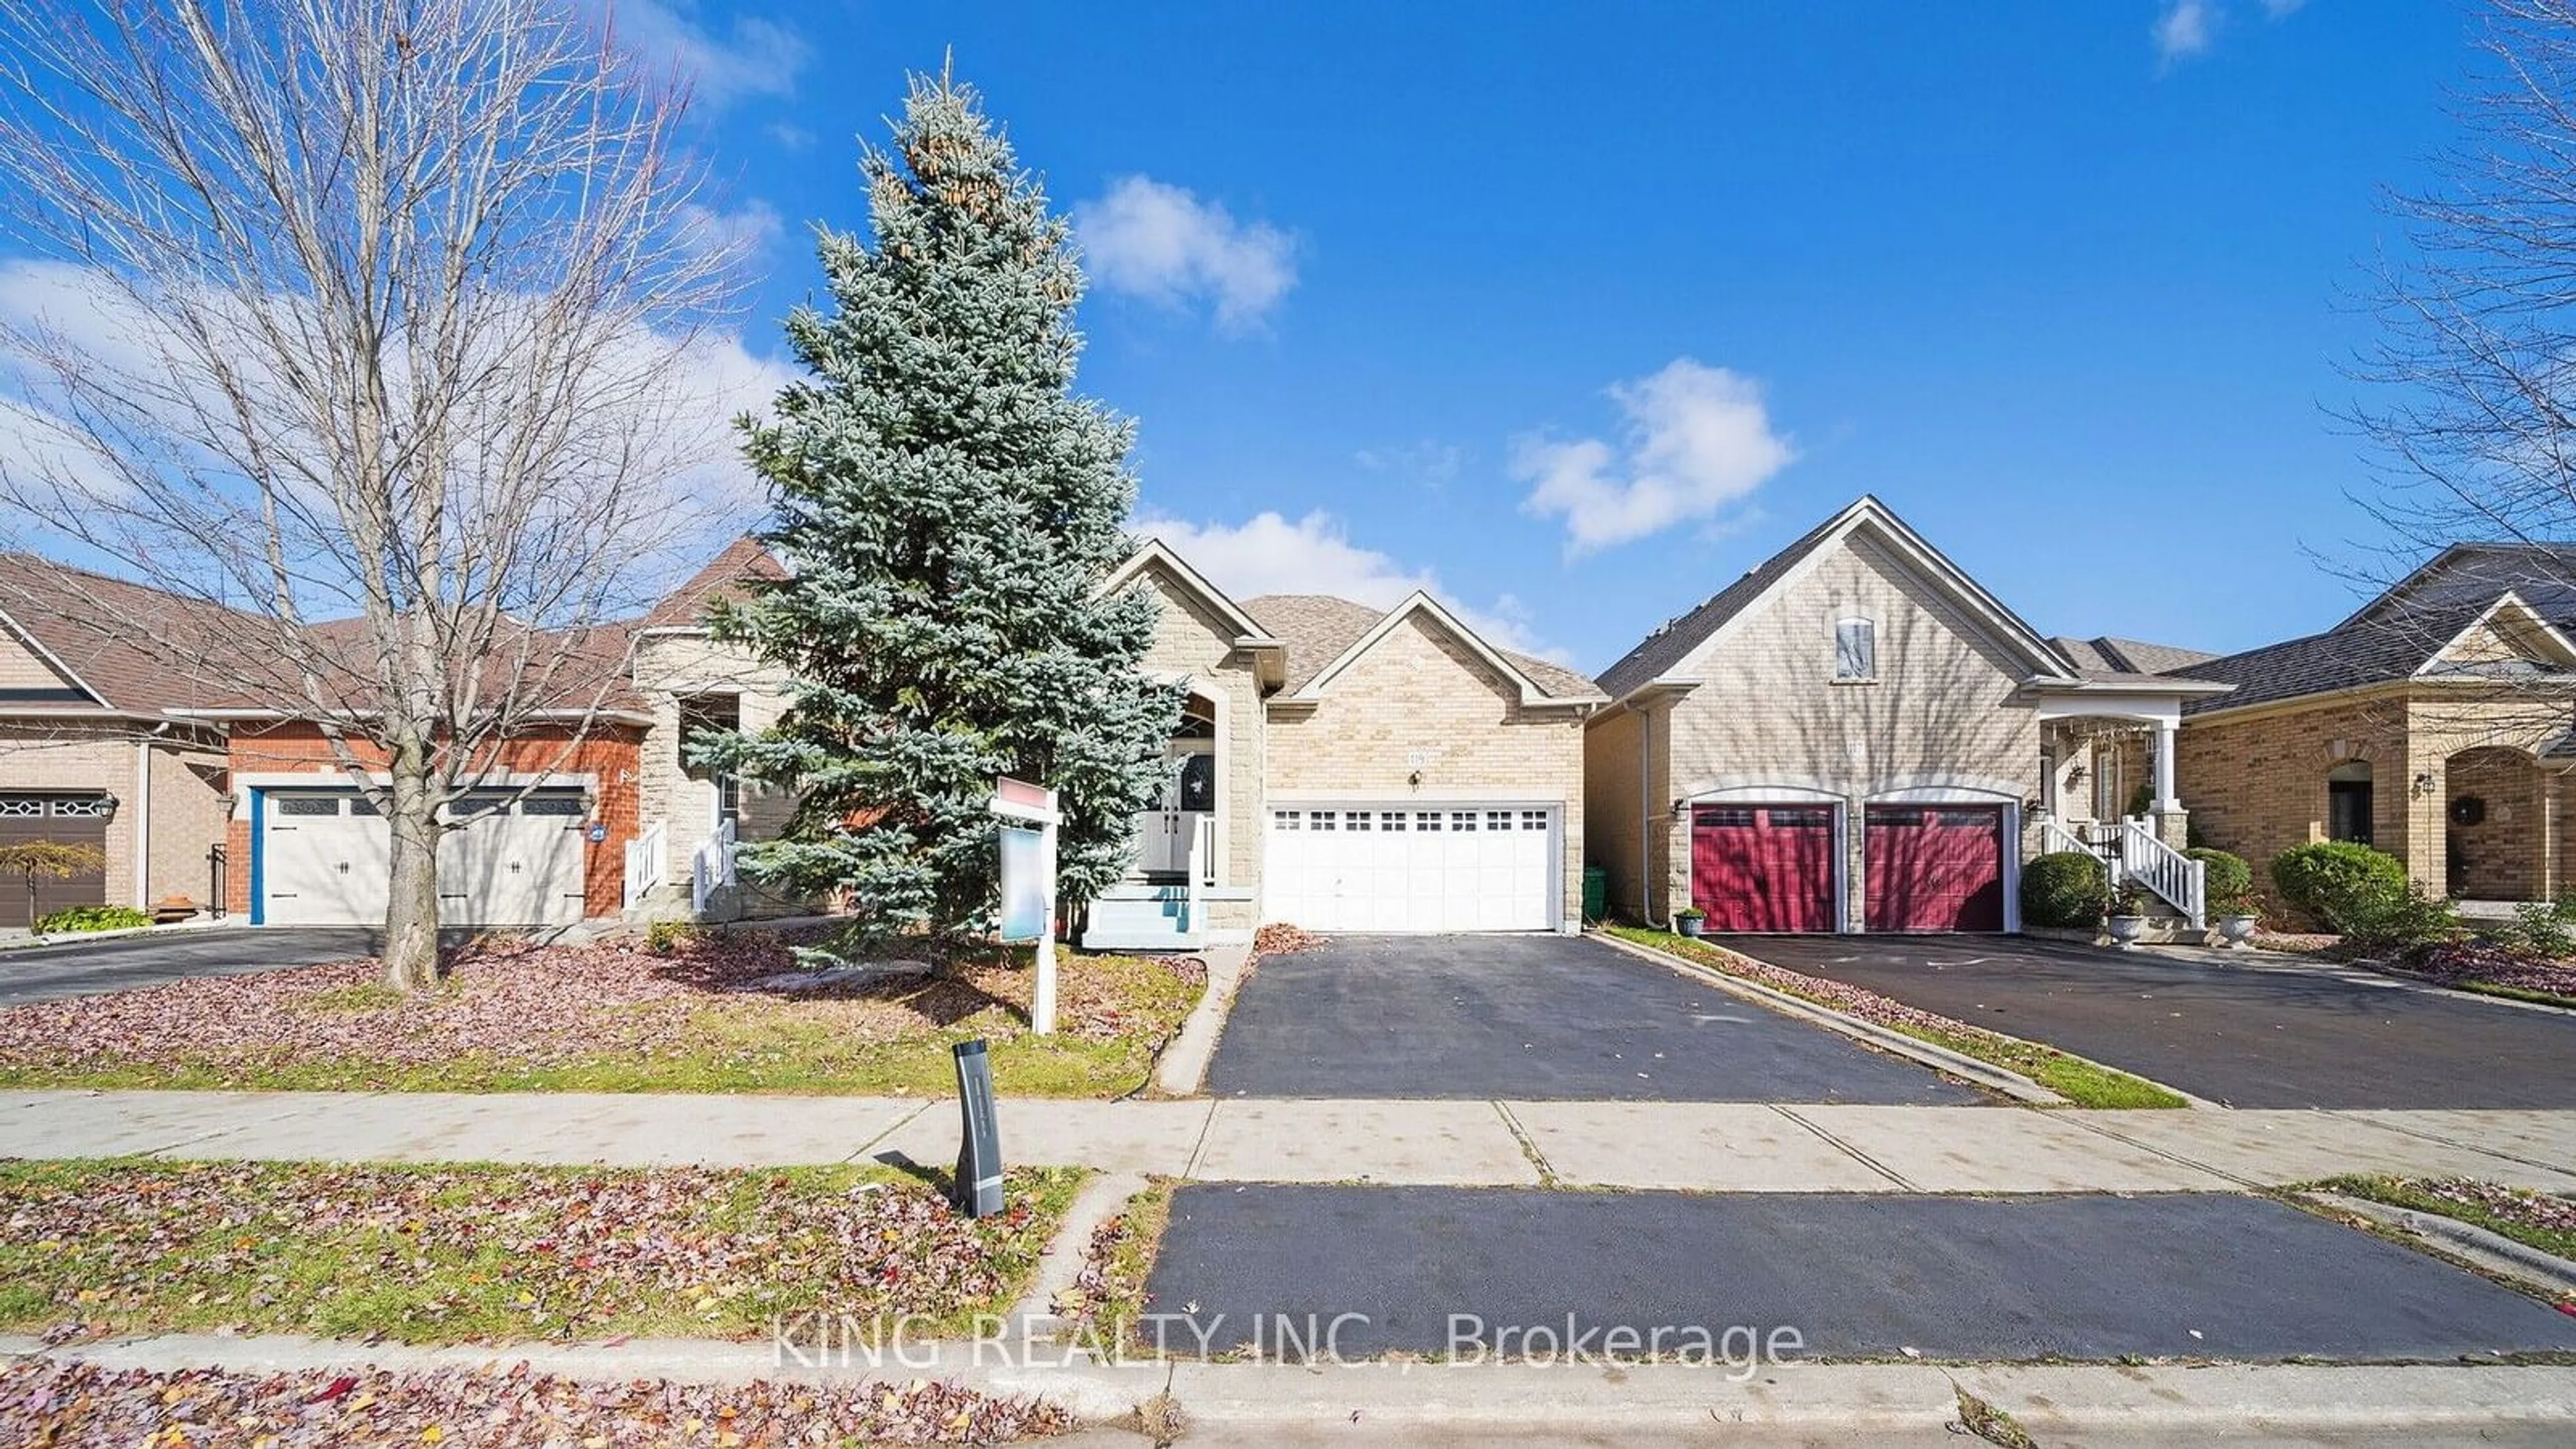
(1028, 882)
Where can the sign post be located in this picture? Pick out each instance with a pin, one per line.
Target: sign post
(978, 1188)
(1028, 882)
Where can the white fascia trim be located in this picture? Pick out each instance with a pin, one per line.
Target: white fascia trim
(52, 660)
(2164, 709)
(1419, 602)
(2531, 618)
(1927, 560)
(318, 778)
(1250, 634)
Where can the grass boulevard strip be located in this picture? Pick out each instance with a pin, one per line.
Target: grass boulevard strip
(2082, 1083)
(728, 1011)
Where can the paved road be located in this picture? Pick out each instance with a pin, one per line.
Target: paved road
(1531, 1018)
(2018, 1278)
(85, 968)
(2281, 1036)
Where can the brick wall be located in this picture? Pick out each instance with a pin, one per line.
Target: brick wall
(1768, 712)
(1421, 703)
(1613, 763)
(668, 667)
(1193, 644)
(84, 758)
(609, 755)
(2257, 783)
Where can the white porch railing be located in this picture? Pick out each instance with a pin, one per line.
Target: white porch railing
(648, 861)
(2168, 872)
(711, 867)
(2132, 851)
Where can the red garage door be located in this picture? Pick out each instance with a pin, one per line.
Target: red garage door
(1935, 868)
(1763, 867)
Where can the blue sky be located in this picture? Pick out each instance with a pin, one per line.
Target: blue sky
(1575, 313)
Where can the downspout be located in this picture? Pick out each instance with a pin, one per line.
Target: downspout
(1645, 816)
(143, 816)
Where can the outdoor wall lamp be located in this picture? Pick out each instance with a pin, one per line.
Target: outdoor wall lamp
(107, 805)
(2424, 783)
(2075, 776)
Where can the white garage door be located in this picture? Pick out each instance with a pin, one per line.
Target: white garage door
(325, 858)
(1372, 868)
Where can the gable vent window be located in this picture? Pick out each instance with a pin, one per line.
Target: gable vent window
(1855, 651)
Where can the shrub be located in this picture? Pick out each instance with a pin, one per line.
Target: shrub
(2342, 885)
(2546, 929)
(2226, 878)
(91, 918)
(2064, 890)
(2412, 919)
(666, 936)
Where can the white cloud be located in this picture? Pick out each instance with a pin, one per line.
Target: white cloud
(755, 56)
(789, 137)
(1269, 554)
(649, 413)
(1697, 439)
(742, 233)
(2185, 29)
(1148, 239)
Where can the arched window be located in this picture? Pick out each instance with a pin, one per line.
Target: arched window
(2348, 802)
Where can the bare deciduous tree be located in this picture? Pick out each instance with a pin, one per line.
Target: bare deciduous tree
(374, 321)
(2471, 380)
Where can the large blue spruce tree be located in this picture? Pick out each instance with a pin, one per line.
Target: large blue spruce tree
(950, 509)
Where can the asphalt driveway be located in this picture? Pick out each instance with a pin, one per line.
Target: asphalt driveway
(122, 963)
(2286, 1035)
(2203, 1275)
(1532, 1018)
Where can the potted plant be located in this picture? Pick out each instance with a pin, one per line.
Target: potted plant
(1690, 920)
(2237, 918)
(2126, 915)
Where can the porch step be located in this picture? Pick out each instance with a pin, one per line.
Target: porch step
(1136, 917)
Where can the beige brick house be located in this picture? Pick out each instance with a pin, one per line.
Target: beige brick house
(1343, 767)
(89, 752)
(1857, 736)
(2434, 724)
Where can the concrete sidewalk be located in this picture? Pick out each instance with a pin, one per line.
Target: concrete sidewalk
(1789, 1402)
(1729, 1147)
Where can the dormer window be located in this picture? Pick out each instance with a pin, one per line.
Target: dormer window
(1855, 651)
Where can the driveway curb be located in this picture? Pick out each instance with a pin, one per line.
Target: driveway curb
(2493, 1251)
(1998, 1079)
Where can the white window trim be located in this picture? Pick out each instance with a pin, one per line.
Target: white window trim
(1871, 677)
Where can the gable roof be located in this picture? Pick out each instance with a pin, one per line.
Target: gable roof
(727, 578)
(1666, 648)
(127, 646)
(2109, 655)
(1323, 631)
(2405, 631)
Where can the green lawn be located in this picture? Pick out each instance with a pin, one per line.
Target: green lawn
(491, 1254)
(2082, 1082)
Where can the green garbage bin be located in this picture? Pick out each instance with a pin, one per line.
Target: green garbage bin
(1596, 893)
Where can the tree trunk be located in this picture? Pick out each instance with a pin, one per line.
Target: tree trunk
(411, 908)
